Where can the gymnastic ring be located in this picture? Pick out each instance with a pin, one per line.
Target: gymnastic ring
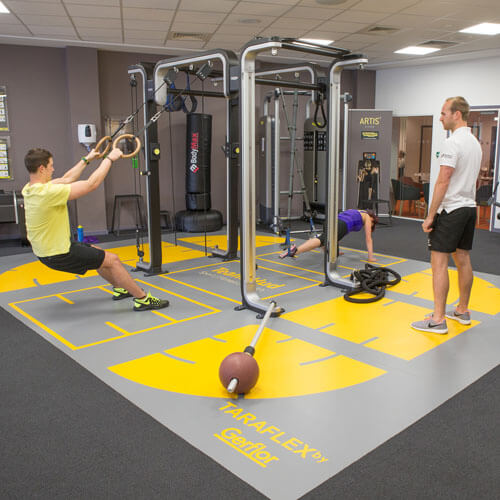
(100, 143)
(128, 136)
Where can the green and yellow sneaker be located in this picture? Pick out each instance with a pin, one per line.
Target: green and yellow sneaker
(120, 293)
(149, 302)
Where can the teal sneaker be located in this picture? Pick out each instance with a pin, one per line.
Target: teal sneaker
(149, 302)
(120, 293)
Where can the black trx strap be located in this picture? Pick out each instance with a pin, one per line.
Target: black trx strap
(320, 103)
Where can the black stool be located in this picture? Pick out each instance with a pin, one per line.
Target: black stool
(373, 205)
(165, 220)
(119, 199)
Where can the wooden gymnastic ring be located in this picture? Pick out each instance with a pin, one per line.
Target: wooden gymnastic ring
(128, 136)
(100, 143)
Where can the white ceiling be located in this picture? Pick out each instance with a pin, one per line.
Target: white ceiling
(150, 25)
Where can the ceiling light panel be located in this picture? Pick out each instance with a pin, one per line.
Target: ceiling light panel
(417, 51)
(483, 29)
(48, 9)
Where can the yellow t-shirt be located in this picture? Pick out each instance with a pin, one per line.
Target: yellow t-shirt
(47, 220)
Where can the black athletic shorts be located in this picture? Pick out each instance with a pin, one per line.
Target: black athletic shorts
(341, 232)
(453, 230)
(80, 258)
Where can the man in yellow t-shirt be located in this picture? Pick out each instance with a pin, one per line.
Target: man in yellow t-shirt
(47, 224)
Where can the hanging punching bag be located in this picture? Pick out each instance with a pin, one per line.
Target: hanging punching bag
(198, 216)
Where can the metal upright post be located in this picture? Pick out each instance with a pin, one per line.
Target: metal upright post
(331, 274)
(346, 97)
(151, 172)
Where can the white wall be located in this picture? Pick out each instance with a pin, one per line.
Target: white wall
(421, 90)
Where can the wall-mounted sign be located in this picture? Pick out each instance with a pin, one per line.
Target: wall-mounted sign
(4, 117)
(4, 158)
(369, 134)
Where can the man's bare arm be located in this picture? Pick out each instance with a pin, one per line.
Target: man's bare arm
(81, 188)
(440, 188)
(74, 173)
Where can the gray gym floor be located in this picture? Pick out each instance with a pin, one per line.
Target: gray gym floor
(336, 379)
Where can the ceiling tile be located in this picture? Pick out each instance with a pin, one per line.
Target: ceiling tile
(246, 29)
(145, 36)
(241, 39)
(152, 4)
(45, 20)
(343, 27)
(282, 32)
(64, 31)
(215, 5)
(406, 20)
(148, 14)
(96, 32)
(100, 39)
(9, 19)
(199, 17)
(236, 19)
(282, 2)
(309, 13)
(260, 9)
(358, 16)
(93, 22)
(187, 44)
(111, 3)
(93, 11)
(146, 25)
(49, 9)
(437, 8)
(325, 35)
(193, 27)
(387, 6)
(13, 29)
(302, 24)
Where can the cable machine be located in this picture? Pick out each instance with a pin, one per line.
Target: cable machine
(203, 65)
(250, 297)
(270, 147)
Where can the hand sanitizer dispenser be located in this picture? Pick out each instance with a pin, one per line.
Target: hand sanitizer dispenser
(86, 134)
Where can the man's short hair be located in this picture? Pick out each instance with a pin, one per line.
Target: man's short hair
(459, 103)
(36, 157)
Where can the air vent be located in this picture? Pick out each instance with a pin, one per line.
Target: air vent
(437, 44)
(182, 36)
(379, 30)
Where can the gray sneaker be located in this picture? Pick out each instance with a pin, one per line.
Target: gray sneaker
(463, 319)
(427, 325)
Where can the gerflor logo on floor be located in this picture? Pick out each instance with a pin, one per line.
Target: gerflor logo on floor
(194, 152)
(259, 440)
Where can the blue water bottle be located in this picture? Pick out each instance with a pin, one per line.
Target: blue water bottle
(79, 231)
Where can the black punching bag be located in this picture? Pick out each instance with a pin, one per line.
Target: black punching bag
(198, 215)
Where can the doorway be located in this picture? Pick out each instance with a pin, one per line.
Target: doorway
(411, 165)
(484, 125)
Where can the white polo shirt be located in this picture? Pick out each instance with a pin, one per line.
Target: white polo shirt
(461, 151)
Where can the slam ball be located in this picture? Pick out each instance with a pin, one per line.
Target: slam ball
(241, 366)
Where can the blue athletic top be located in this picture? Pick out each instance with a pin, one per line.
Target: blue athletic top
(353, 220)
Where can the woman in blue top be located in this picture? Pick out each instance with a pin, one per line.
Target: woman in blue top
(349, 221)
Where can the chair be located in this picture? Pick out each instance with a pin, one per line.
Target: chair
(117, 206)
(404, 192)
(483, 194)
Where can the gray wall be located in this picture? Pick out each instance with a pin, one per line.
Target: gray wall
(50, 91)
